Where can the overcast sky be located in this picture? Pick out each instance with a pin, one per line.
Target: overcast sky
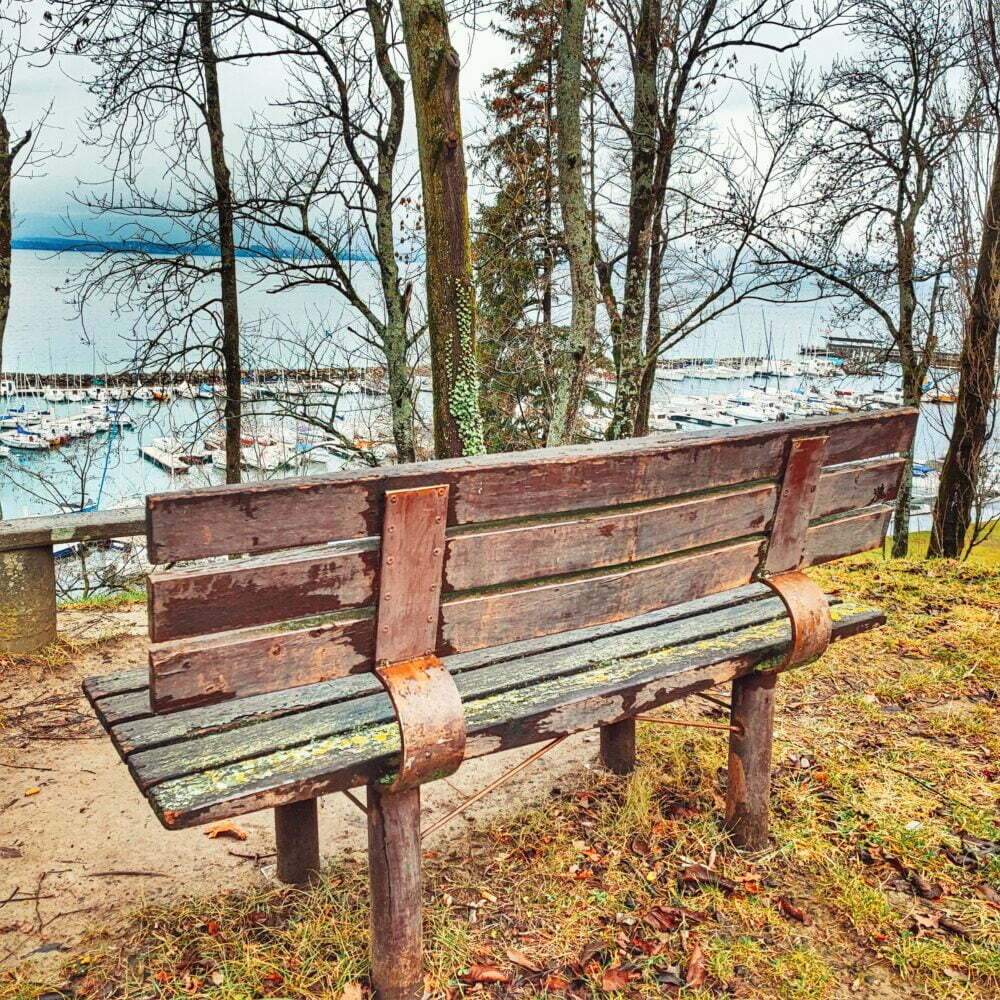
(43, 201)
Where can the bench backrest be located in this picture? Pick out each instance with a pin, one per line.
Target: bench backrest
(535, 543)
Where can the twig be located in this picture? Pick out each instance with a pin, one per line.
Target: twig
(127, 872)
(26, 767)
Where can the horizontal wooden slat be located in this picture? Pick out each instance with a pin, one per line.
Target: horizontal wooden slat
(262, 591)
(51, 529)
(191, 673)
(262, 517)
(122, 700)
(538, 710)
(175, 759)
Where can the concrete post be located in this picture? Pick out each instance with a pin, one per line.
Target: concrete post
(27, 599)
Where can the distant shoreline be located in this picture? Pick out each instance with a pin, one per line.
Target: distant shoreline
(59, 244)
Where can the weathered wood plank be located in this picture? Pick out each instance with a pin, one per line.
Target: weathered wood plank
(372, 707)
(260, 591)
(134, 728)
(786, 540)
(51, 529)
(485, 620)
(236, 666)
(602, 694)
(262, 517)
(847, 535)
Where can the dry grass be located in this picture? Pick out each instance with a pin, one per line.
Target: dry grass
(886, 789)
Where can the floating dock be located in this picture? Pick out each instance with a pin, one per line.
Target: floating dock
(165, 460)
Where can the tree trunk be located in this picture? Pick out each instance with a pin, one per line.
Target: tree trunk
(451, 301)
(630, 349)
(227, 246)
(394, 333)
(6, 169)
(577, 224)
(913, 377)
(976, 387)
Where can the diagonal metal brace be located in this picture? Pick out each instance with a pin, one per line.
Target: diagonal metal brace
(431, 721)
(809, 613)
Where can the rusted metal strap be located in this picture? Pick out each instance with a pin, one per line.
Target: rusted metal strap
(805, 602)
(427, 704)
(809, 612)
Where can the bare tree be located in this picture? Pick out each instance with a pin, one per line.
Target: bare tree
(871, 135)
(324, 192)
(578, 232)
(156, 90)
(670, 69)
(451, 299)
(973, 209)
(19, 152)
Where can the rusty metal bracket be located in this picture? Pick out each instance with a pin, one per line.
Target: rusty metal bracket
(809, 612)
(431, 721)
(423, 693)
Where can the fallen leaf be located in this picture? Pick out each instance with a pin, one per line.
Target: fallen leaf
(352, 991)
(663, 918)
(697, 967)
(921, 922)
(519, 958)
(212, 927)
(273, 978)
(925, 889)
(613, 980)
(987, 892)
(10, 852)
(225, 828)
(555, 983)
(698, 875)
(954, 927)
(788, 909)
(486, 974)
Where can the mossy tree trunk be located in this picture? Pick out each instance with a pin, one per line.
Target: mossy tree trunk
(451, 306)
(229, 295)
(577, 224)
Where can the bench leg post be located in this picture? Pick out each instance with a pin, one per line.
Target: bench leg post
(618, 746)
(296, 833)
(750, 760)
(395, 887)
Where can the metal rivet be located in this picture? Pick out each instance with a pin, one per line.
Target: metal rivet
(437, 520)
(393, 499)
(429, 618)
(437, 552)
(388, 561)
(391, 529)
(441, 492)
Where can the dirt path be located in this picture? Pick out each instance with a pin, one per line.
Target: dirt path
(78, 839)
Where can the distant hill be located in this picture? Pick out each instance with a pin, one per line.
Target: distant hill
(60, 244)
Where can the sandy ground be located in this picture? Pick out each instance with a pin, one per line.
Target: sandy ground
(77, 838)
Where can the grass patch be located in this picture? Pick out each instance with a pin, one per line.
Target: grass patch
(105, 602)
(886, 849)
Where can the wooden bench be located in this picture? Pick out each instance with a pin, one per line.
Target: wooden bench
(452, 609)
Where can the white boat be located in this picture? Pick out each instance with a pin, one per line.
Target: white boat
(53, 394)
(23, 440)
(143, 393)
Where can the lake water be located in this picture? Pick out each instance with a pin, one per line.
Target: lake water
(44, 334)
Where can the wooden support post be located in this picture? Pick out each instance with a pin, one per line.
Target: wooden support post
(750, 760)
(296, 832)
(618, 746)
(27, 599)
(394, 880)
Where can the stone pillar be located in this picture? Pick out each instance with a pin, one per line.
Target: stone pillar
(27, 599)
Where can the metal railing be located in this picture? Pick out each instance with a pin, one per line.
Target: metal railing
(27, 568)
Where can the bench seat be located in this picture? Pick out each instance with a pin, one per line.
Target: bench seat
(271, 749)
